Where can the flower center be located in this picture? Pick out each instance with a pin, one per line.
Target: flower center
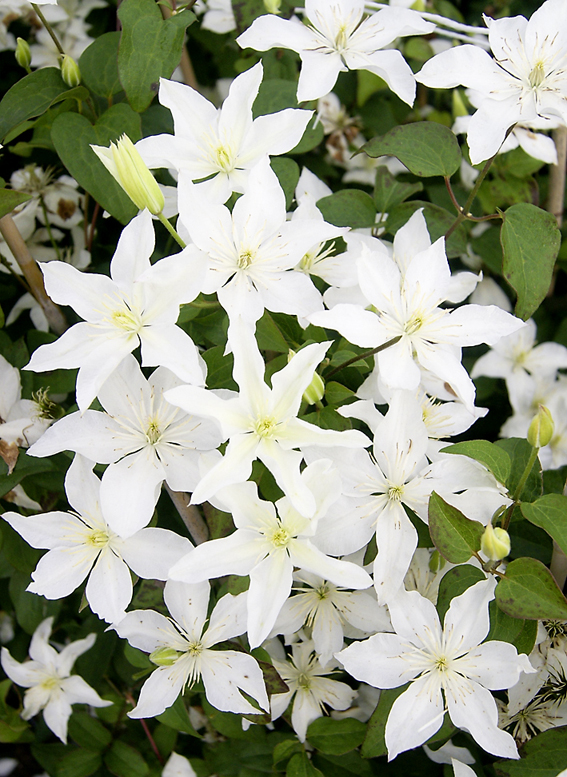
(224, 159)
(537, 76)
(441, 664)
(322, 592)
(395, 493)
(98, 539)
(153, 432)
(266, 427)
(413, 325)
(195, 648)
(341, 38)
(126, 319)
(50, 683)
(304, 681)
(281, 537)
(245, 258)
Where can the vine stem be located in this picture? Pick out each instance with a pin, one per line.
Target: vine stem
(382, 347)
(49, 29)
(519, 488)
(464, 212)
(32, 273)
(190, 516)
(147, 731)
(174, 234)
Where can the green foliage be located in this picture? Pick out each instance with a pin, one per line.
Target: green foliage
(494, 459)
(348, 208)
(150, 48)
(550, 513)
(529, 590)
(424, 147)
(530, 244)
(455, 536)
(10, 199)
(99, 65)
(389, 192)
(336, 737)
(454, 583)
(543, 756)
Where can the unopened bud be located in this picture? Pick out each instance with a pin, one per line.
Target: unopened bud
(123, 161)
(272, 6)
(419, 6)
(164, 656)
(70, 72)
(23, 53)
(495, 543)
(436, 562)
(541, 428)
(315, 391)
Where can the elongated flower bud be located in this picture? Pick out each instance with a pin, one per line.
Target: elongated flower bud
(272, 6)
(124, 162)
(70, 72)
(164, 656)
(541, 428)
(315, 391)
(495, 543)
(23, 53)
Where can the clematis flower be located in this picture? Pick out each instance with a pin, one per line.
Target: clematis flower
(181, 647)
(82, 545)
(47, 677)
(407, 304)
(446, 666)
(268, 543)
(524, 82)
(252, 252)
(309, 688)
(260, 422)
(137, 305)
(22, 421)
(336, 39)
(224, 143)
(142, 438)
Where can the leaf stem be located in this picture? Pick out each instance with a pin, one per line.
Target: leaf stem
(361, 356)
(460, 209)
(464, 213)
(174, 234)
(519, 488)
(49, 29)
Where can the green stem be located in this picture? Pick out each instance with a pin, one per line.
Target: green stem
(519, 488)
(48, 227)
(358, 358)
(465, 211)
(171, 230)
(49, 29)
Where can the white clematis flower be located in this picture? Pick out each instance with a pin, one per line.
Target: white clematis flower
(137, 305)
(445, 666)
(337, 38)
(142, 438)
(261, 423)
(524, 83)
(267, 545)
(181, 646)
(47, 677)
(82, 545)
(222, 142)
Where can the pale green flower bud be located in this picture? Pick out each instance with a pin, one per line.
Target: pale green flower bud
(70, 72)
(436, 562)
(419, 6)
(23, 53)
(124, 162)
(272, 6)
(164, 656)
(459, 107)
(495, 543)
(541, 428)
(315, 391)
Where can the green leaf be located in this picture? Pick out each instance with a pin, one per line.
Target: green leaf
(245, 11)
(125, 761)
(530, 243)
(99, 65)
(374, 743)
(336, 393)
(287, 171)
(455, 536)
(79, 763)
(177, 717)
(389, 192)
(88, 732)
(277, 94)
(269, 336)
(348, 208)
(494, 458)
(454, 583)
(300, 766)
(438, 222)
(520, 633)
(73, 135)
(30, 97)
(49, 756)
(284, 751)
(10, 199)
(150, 48)
(336, 737)
(529, 591)
(549, 512)
(343, 765)
(543, 756)
(30, 608)
(519, 451)
(25, 466)
(424, 147)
